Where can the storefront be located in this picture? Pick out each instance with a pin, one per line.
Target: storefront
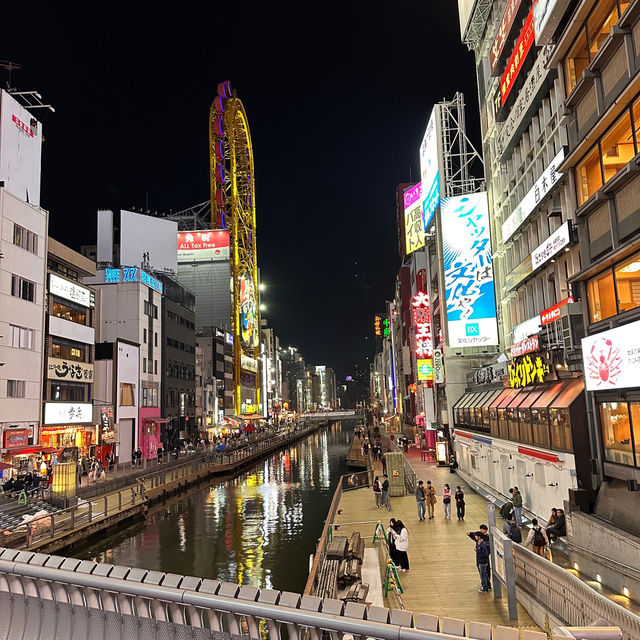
(61, 436)
(612, 366)
(150, 436)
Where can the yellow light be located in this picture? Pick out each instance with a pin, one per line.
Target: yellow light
(576, 567)
(262, 286)
(625, 590)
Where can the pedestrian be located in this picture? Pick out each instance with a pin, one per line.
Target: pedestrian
(453, 464)
(431, 499)
(386, 501)
(482, 561)
(553, 519)
(384, 463)
(512, 530)
(377, 492)
(459, 498)
(516, 500)
(537, 537)
(354, 480)
(559, 529)
(446, 501)
(391, 541)
(402, 544)
(421, 500)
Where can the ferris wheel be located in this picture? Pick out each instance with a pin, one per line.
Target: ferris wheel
(233, 208)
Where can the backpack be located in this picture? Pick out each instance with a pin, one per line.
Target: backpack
(516, 534)
(376, 487)
(538, 537)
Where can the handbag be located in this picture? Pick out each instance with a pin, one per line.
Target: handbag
(446, 500)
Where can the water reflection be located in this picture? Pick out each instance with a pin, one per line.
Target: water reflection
(257, 529)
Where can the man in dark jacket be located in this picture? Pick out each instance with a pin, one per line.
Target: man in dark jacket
(559, 529)
(482, 561)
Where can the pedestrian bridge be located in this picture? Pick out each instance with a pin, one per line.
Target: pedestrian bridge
(48, 596)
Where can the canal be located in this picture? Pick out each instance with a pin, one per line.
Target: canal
(258, 528)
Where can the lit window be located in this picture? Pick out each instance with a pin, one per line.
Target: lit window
(576, 62)
(600, 23)
(589, 175)
(628, 283)
(616, 432)
(602, 301)
(617, 146)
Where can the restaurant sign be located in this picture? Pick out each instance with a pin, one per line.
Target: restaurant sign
(16, 438)
(554, 313)
(526, 346)
(530, 369)
(58, 369)
(493, 374)
(557, 241)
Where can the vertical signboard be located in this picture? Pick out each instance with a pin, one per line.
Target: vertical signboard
(413, 219)
(468, 271)
(430, 168)
(516, 61)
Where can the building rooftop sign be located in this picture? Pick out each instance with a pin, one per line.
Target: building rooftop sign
(132, 274)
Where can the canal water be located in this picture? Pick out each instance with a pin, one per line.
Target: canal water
(258, 528)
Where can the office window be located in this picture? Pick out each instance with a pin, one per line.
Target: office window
(22, 338)
(22, 288)
(155, 366)
(24, 238)
(577, 61)
(600, 23)
(602, 298)
(617, 146)
(144, 365)
(588, 175)
(155, 339)
(149, 395)
(144, 336)
(16, 388)
(627, 277)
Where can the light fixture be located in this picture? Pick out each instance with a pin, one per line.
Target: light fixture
(553, 484)
(598, 577)
(576, 567)
(631, 268)
(625, 590)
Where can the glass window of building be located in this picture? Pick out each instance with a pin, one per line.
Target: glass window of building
(602, 299)
(600, 23)
(68, 350)
(617, 146)
(576, 62)
(69, 311)
(616, 432)
(634, 410)
(70, 391)
(23, 288)
(627, 277)
(588, 175)
(540, 422)
(560, 429)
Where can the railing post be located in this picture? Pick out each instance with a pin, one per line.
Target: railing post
(105, 506)
(90, 511)
(119, 500)
(73, 518)
(53, 525)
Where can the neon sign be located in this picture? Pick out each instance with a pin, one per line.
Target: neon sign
(422, 319)
(132, 274)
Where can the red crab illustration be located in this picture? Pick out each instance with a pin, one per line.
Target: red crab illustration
(604, 363)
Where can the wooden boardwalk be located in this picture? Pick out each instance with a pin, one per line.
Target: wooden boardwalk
(443, 578)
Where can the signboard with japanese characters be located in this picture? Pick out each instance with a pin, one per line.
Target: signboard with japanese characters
(542, 187)
(422, 320)
(504, 28)
(430, 168)
(70, 291)
(16, 438)
(67, 413)
(530, 369)
(612, 358)
(554, 313)
(516, 61)
(58, 369)
(526, 346)
(493, 374)
(557, 241)
(468, 271)
(525, 103)
(413, 218)
(438, 366)
(425, 370)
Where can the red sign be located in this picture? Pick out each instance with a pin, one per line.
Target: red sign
(202, 240)
(526, 346)
(377, 325)
(16, 438)
(534, 453)
(519, 55)
(22, 126)
(422, 318)
(503, 31)
(554, 313)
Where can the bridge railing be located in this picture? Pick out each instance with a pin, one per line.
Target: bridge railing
(44, 596)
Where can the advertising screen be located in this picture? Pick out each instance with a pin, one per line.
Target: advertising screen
(430, 169)
(413, 220)
(20, 150)
(468, 271)
(612, 358)
(145, 236)
(202, 246)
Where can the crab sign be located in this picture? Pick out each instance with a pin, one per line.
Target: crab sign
(604, 363)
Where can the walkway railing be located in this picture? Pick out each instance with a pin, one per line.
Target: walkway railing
(567, 597)
(44, 596)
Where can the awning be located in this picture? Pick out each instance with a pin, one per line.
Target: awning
(497, 401)
(568, 395)
(505, 399)
(544, 400)
(528, 402)
(23, 451)
(156, 419)
(490, 397)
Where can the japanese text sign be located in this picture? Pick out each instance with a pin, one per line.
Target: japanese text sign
(422, 320)
(430, 168)
(528, 370)
(413, 219)
(468, 271)
(503, 31)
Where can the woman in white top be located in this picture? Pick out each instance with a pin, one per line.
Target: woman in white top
(537, 537)
(446, 501)
(402, 544)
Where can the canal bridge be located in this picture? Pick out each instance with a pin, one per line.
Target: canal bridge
(49, 596)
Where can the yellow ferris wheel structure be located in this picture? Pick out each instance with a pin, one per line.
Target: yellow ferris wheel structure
(233, 208)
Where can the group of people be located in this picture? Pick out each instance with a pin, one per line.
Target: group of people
(398, 542)
(426, 500)
(29, 481)
(381, 492)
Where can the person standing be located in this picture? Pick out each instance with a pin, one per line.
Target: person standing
(402, 544)
(377, 492)
(446, 501)
(516, 500)
(482, 561)
(512, 530)
(459, 498)
(386, 501)
(537, 537)
(391, 541)
(421, 500)
(431, 498)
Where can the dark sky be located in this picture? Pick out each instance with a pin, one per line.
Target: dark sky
(337, 95)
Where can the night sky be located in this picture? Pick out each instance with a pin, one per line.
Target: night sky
(337, 95)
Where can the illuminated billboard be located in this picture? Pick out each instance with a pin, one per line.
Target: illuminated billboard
(203, 246)
(413, 219)
(20, 150)
(425, 370)
(468, 271)
(518, 56)
(430, 168)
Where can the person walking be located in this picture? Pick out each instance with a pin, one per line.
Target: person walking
(516, 500)
(446, 501)
(431, 498)
(377, 492)
(537, 537)
(386, 501)
(402, 544)
(421, 500)
(512, 530)
(391, 541)
(459, 498)
(482, 561)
